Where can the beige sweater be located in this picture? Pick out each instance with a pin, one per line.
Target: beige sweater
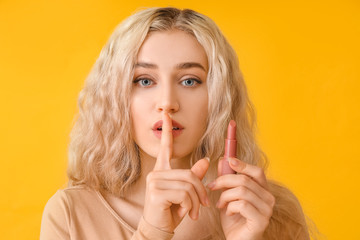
(80, 213)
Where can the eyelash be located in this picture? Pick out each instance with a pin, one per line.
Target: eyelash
(136, 81)
(139, 80)
(196, 81)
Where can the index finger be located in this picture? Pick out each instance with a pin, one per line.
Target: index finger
(166, 144)
(252, 171)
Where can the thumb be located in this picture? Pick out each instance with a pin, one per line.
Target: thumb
(200, 168)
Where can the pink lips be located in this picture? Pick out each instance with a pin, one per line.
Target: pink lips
(177, 128)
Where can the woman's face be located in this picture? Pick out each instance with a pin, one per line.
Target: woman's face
(170, 75)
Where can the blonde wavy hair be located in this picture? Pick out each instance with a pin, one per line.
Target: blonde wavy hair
(102, 152)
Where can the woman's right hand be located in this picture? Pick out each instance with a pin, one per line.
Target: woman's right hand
(172, 193)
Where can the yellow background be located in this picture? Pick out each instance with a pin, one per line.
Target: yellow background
(300, 61)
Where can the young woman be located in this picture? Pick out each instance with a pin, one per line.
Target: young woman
(145, 153)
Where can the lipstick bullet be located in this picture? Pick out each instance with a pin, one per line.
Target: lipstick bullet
(230, 148)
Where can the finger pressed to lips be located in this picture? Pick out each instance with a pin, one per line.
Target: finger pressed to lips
(166, 138)
(166, 145)
(184, 186)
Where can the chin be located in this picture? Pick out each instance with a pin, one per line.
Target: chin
(180, 156)
(177, 154)
(180, 150)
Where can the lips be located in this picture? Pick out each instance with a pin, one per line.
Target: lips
(175, 125)
(177, 128)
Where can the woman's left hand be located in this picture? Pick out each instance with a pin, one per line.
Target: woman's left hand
(246, 205)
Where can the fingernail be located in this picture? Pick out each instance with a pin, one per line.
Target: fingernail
(234, 162)
(211, 185)
(207, 159)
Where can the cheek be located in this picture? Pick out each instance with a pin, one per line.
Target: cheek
(196, 107)
(140, 109)
(137, 110)
(140, 104)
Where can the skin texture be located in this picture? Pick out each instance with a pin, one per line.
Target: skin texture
(162, 87)
(168, 191)
(168, 90)
(179, 90)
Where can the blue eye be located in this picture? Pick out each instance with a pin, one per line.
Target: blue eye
(190, 82)
(144, 82)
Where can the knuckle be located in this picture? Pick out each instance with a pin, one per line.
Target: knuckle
(182, 194)
(230, 209)
(242, 190)
(222, 197)
(258, 172)
(219, 181)
(231, 206)
(193, 177)
(243, 204)
(188, 187)
(188, 174)
(244, 180)
(272, 201)
(149, 177)
(153, 197)
(187, 203)
(268, 212)
(228, 212)
(196, 204)
(186, 206)
(152, 185)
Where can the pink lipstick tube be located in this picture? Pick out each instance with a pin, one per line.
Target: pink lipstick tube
(230, 148)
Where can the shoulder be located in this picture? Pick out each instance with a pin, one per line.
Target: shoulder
(59, 211)
(64, 196)
(64, 200)
(60, 200)
(77, 192)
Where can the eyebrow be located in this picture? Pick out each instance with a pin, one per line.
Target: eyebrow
(185, 65)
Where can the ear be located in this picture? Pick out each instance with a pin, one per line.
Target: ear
(200, 168)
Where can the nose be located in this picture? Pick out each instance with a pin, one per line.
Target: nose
(167, 99)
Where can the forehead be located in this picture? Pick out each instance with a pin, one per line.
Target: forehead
(171, 47)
